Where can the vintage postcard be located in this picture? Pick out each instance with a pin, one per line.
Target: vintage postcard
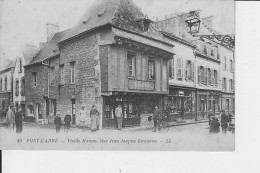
(117, 75)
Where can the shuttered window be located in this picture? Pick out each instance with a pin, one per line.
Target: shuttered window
(179, 68)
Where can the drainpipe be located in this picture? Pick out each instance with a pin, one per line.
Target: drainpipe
(48, 95)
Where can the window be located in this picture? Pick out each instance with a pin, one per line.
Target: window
(1, 84)
(224, 84)
(231, 85)
(179, 68)
(225, 63)
(22, 87)
(231, 65)
(72, 72)
(171, 69)
(5, 83)
(52, 75)
(212, 77)
(131, 61)
(215, 77)
(189, 72)
(209, 76)
(205, 50)
(62, 74)
(218, 55)
(20, 66)
(212, 53)
(201, 74)
(16, 87)
(151, 69)
(34, 74)
(205, 76)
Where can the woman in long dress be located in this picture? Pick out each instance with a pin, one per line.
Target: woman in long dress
(94, 114)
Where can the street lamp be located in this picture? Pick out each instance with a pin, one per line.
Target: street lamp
(193, 26)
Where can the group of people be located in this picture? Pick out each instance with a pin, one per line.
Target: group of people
(94, 115)
(14, 120)
(214, 125)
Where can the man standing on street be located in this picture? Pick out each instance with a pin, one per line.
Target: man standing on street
(156, 118)
(119, 116)
(19, 120)
(10, 119)
(224, 121)
(57, 122)
(67, 120)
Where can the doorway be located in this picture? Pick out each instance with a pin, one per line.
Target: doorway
(73, 110)
(38, 111)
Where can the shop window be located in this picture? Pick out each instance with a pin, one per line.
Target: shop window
(179, 68)
(34, 75)
(16, 87)
(72, 72)
(62, 74)
(151, 69)
(131, 63)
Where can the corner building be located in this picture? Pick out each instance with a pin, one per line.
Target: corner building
(113, 55)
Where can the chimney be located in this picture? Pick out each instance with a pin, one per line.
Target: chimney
(52, 29)
(208, 21)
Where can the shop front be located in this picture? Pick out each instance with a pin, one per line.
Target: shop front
(136, 108)
(181, 103)
(207, 101)
(228, 103)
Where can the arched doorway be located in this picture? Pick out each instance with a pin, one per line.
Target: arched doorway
(38, 111)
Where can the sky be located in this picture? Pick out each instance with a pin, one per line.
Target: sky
(24, 21)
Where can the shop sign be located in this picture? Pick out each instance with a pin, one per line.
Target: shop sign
(140, 85)
(181, 93)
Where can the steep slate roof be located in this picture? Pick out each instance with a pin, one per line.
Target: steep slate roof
(119, 13)
(50, 49)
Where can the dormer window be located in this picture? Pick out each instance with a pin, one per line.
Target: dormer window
(144, 23)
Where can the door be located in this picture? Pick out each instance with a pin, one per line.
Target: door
(73, 103)
(38, 111)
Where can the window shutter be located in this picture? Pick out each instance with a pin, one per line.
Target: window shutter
(186, 70)
(170, 69)
(199, 74)
(192, 71)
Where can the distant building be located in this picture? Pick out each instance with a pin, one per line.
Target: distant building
(205, 67)
(6, 87)
(25, 55)
(113, 55)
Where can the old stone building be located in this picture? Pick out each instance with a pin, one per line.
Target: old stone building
(113, 55)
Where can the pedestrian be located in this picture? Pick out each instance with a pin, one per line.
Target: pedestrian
(119, 116)
(10, 119)
(214, 126)
(57, 122)
(82, 117)
(224, 121)
(229, 118)
(19, 120)
(156, 118)
(210, 114)
(67, 121)
(94, 114)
